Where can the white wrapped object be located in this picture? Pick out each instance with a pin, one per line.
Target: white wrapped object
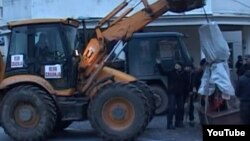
(216, 75)
(206, 87)
(216, 51)
(213, 44)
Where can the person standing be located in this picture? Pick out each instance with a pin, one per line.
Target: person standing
(191, 94)
(242, 92)
(194, 82)
(42, 48)
(177, 83)
(239, 64)
(199, 73)
(198, 76)
(246, 63)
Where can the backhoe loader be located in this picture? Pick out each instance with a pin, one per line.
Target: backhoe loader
(46, 83)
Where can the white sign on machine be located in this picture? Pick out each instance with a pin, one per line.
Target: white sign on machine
(53, 71)
(17, 61)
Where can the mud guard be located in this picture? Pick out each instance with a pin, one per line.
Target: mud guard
(27, 79)
(118, 75)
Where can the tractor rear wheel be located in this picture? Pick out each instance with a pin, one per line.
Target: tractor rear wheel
(28, 113)
(161, 100)
(149, 95)
(119, 112)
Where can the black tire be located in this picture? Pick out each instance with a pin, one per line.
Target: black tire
(118, 112)
(28, 113)
(61, 125)
(149, 95)
(161, 99)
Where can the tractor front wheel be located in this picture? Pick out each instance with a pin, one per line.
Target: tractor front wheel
(28, 113)
(118, 112)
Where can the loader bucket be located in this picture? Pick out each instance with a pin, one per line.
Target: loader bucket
(179, 6)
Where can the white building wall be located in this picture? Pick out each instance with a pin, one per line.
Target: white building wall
(246, 39)
(236, 7)
(21, 9)
(25, 9)
(71, 8)
(16, 9)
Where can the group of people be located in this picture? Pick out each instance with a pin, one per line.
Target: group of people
(242, 87)
(183, 85)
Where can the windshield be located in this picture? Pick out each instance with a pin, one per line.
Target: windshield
(25, 39)
(169, 48)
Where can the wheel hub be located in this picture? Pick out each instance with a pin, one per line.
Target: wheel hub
(25, 113)
(119, 113)
(158, 100)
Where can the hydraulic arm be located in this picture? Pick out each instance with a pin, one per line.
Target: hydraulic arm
(124, 26)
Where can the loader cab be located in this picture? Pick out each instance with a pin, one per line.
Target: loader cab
(43, 48)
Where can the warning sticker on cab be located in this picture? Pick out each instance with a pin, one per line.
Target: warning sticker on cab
(53, 71)
(17, 61)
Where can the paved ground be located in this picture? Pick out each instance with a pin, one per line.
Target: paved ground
(156, 131)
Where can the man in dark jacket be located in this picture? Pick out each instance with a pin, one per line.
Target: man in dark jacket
(243, 68)
(239, 64)
(42, 48)
(199, 73)
(190, 97)
(242, 92)
(177, 86)
(194, 83)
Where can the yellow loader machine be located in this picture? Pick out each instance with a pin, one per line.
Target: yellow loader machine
(46, 83)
